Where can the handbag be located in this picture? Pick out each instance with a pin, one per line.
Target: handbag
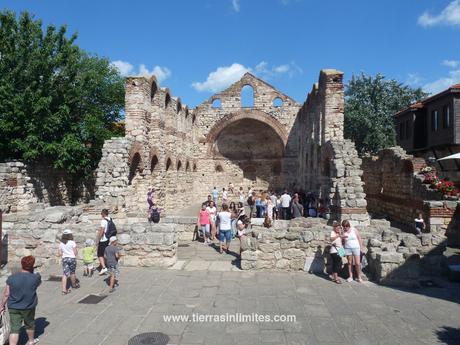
(5, 326)
(340, 251)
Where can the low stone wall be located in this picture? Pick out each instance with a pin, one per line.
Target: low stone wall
(38, 233)
(394, 257)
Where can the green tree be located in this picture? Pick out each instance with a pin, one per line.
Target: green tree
(370, 103)
(57, 102)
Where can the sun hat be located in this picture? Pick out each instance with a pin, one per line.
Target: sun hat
(67, 232)
(112, 239)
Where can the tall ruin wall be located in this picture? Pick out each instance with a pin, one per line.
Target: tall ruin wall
(329, 164)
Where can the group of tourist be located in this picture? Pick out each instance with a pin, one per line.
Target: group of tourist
(230, 222)
(269, 204)
(107, 253)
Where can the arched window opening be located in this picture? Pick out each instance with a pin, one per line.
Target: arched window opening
(153, 163)
(168, 164)
(134, 167)
(194, 167)
(186, 112)
(219, 168)
(179, 165)
(193, 119)
(247, 96)
(178, 107)
(167, 100)
(187, 166)
(153, 90)
(277, 102)
(216, 103)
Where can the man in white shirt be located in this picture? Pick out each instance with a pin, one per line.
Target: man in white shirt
(285, 205)
(102, 241)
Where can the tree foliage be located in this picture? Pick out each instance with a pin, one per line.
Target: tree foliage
(57, 102)
(370, 103)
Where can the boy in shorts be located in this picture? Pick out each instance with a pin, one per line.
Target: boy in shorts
(88, 258)
(112, 255)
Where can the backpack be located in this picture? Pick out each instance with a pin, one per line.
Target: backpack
(250, 201)
(111, 228)
(154, 215)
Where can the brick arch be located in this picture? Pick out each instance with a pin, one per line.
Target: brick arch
(136, 148)
(243, 115)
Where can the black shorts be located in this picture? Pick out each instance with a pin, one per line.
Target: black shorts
(336, 263)
(101, 248)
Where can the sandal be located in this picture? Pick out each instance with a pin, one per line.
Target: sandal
(65, 292)
(338, 281)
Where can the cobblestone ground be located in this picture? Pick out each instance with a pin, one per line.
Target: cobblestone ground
(326, 313)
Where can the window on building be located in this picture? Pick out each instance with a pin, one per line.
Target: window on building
(247, 96)
(434, 121)
(446, 121)
(216, 103)
(277, 102)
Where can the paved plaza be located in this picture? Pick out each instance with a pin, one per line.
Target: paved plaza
(326, 313)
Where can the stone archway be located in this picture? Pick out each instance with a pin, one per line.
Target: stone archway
(251, 146)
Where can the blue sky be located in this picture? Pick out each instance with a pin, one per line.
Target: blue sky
(197, 47)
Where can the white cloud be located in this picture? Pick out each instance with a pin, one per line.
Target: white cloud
(224, 76)
(124, 67)
(443, 83)
(127, 69)
(265, 71)
(450, 63)
(236, 5)
(221, 78)
(448, 16)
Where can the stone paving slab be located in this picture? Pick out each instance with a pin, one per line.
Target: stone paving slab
(326, 313)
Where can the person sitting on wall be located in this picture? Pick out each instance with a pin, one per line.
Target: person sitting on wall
(419, 224)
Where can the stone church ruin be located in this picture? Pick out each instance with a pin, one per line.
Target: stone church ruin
(273, 143)
(270, 143)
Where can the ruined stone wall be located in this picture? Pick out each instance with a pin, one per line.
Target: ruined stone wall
(394, 188)
(393, 257)
(157, 150)
(22, 186)
(38, 233)
(329, 164)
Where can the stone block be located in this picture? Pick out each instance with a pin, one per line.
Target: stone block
(124, 239)
(307, 236)
(249, 255)
(390, 257)
(269, 247)
(293, 253)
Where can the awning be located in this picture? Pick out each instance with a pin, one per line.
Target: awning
(454, 156)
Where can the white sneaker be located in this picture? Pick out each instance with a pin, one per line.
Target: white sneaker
(350, 280)
(103, 271)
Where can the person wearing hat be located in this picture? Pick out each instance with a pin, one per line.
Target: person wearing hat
(68, 252)
(20, 294)
(112, 256)
(88, 258)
